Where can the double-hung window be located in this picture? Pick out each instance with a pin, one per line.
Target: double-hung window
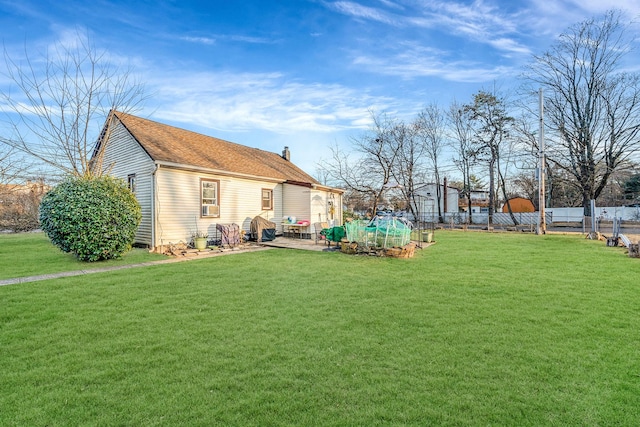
(210, 197)
(267, 199)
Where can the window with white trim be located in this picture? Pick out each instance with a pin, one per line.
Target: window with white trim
(267, 199)
(210, 197)
(131, 182)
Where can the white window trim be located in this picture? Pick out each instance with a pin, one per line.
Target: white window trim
(210, 210)
(262, 199)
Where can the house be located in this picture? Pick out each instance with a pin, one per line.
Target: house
(427, 200)
(479, 202)
(186, 181)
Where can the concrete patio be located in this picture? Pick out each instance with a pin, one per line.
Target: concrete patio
(304, 244)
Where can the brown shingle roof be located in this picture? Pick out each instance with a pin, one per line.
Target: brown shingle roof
(171, 144)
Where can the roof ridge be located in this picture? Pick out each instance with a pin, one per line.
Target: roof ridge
(164, 142)
(156, 122)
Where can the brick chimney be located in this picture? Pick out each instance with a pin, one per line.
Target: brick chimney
(286, 154)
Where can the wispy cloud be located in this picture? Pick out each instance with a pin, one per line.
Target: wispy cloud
(594, 7)
(550, 18)
(479, 21)
(210, 40)
(408, 65)
(392, 4)
(510, 45)
(246, 101)
(249, 39)
(201, 40)
(411, 59)
(359, 11)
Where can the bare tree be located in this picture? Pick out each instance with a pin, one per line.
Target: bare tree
(63, 98)
(504, 163)
(21, 189)
(322, 175)
(462, 143)
(430, 130)
(526, 185)
(491, 129)
(12, 168)
(631, 186)
(614, 192)
(370, 173)
(407, 169)
(592, 105)
(524, 182)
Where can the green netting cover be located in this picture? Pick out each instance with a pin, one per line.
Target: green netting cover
(382, 232)
(333, 234)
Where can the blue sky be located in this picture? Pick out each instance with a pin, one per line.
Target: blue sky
(303, 73)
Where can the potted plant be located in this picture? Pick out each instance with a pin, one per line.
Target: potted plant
(200, 240)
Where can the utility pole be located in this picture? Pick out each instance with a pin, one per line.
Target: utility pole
(542, 224)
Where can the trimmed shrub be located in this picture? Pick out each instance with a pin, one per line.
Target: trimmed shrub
(95, 218)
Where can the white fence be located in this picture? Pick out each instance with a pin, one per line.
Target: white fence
(552, 215)
(499, 218)
(627, 213)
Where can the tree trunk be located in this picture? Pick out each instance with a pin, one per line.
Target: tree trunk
(504, 194)
(492, 189)
(438, 198)
(467, 186)
(586, 203)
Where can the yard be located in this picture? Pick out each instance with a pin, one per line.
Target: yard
(31, 254)
(479, 329)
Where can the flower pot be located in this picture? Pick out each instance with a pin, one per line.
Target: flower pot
(200, 243)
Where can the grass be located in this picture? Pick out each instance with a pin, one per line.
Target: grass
(479, 329)
(30, 254)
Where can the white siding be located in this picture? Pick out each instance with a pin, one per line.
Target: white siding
(310, 204)
(320, 209)
(452, 200)
(178, 206)
(278, 207)
(296, 202)
(428, 200)
(338, 209)
(123, 156)
(318, 206)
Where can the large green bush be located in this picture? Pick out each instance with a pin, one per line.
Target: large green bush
(95, 218)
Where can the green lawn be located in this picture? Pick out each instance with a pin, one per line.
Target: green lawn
(29, 254)
(479, 329)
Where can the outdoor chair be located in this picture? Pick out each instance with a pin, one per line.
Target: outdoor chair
(317, 230)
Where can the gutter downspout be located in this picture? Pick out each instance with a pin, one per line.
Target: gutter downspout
(154, 183)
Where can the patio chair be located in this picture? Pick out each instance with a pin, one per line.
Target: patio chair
(317, 230)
